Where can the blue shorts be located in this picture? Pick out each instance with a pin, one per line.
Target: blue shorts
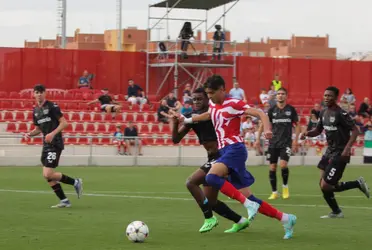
(234, 157)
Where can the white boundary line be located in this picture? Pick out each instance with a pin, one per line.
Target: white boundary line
(168, 198)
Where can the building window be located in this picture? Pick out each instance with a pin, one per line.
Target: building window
(261, 54)
(253, 54)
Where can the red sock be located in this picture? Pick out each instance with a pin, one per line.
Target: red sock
(270, 211)
(232, 192)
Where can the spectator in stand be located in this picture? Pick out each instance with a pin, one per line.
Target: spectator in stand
(365, 109)
(266, 108)
(368, 131)
(344, 104)
(316, 110)
(187, 107)
(276, 82)
(107, 104)
(272, 100)
(248, 132)
(163, 112)
(237, 92)
(136, 94)
(132, 139)
(264, 97)
(187, 93)
(85, 80)
(352, 112)
(272, 91)
(119, 140)
(349, 96)
(313, 122)
(172, 102)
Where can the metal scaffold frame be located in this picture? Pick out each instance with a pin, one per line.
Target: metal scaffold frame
(202, 69)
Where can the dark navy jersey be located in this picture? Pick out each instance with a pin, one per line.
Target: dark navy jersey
(204, 130)
(338, 125)
(47, 118)
(282, 121)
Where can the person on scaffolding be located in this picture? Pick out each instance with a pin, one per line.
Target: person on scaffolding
(219, 38)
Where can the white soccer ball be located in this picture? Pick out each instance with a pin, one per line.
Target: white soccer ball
(137, 231)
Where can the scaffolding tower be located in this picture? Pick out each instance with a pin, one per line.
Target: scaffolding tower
(199, 64)
(61, 22)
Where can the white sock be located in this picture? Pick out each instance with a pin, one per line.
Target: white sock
(285, 218)
(242, 220)
(285, 186)
(76, 182)
(249, 203)
(64, 200)
(275, 192)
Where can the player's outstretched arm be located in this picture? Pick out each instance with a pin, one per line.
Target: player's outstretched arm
(178, 133)
(197, 118)
(92, 102)
(34, 132)
(263, 117)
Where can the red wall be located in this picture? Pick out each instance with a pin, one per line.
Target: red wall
(23, 68)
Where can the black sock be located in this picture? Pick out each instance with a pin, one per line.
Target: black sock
(206, 209)
(285, 175)
(59, 191)
(223, 210)
(272, 177)
(343, 186)
(331, 201)
(67, 180)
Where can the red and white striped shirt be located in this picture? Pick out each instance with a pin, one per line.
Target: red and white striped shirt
(226, 120)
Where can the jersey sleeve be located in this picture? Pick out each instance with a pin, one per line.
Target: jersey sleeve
(34, 118)
(319, 125)
(56, 111)
(270, 114)
(238, 108)
(346, 120)
(294, 116)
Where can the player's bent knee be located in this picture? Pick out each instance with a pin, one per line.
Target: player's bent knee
(325, 186)
(273, 167)
(48, 173)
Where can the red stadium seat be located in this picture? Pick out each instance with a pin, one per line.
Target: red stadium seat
(166, 129)
(22, 128)
(8, 116)
(146, 107)
(29, 117)
(17, 105)
(135, 108)
(84, 141)
(83, 106)
(144, 129)
(20, 116)
(5, 105)
(101, 128)
(72, 106)
(106, 141)
(150, 118)
(112, 128)
(155, 128)
(75, 117)
(79, 128)
(69, 129)
(129, 118)
(11, 127)
(86, 117)
(140, 118)
(97, 117)
(3, 95)
(14, 95)
(91, 128)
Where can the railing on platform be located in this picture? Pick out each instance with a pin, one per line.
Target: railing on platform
(91, 154)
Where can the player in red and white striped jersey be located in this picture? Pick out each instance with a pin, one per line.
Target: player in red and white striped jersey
(225, 113)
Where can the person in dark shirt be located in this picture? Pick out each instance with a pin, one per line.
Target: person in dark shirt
(172, 102)
(283, 117)
(135, 94)
(107, 104)
(341, 133)
(316, 110)
(85, 80)
(49, 120)
(131, 138)
(207, 137)
(163, 112)
(312, 122)
(364, 108)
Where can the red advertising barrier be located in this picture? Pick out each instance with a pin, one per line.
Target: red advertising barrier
(23, 68)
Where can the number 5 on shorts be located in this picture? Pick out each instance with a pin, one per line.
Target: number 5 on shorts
(331, 173)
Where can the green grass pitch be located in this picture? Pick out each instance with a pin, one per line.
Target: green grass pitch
(115, 196)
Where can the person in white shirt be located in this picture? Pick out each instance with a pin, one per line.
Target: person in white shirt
(237, 92)
(264, 97)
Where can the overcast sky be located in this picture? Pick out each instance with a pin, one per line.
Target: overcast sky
(347, 22)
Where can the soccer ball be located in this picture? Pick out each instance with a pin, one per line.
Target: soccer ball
(137, 231)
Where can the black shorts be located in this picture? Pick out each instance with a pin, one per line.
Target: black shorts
(50, 157)
(274, 154)
(211, 159)
(103, 107)
(333, 169)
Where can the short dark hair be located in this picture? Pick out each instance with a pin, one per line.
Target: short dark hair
(335, 90)
(201, 91)
(105, 89)
(214, 82)
(39, 88)
(283, 89)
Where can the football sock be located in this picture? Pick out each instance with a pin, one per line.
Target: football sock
(343, 186)
(59, 191)
(329, 197)
(254, 199)
(207, 211)
(272, 177)
(270, 211)
(225, 187)
(67, 180)
(285, 175)
(223, 210)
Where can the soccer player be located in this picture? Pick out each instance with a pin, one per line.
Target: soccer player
(49, 120)
(225, 114)
(282, 117)
(107, 104)
(338, 126)
(207, 137)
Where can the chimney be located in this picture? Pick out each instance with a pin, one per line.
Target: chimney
(327, 41)
(199, 35)
(262, 40)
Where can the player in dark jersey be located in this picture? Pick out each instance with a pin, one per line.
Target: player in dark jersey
(207, 137)
(282, 118)
(341, 133)
(107, 104)
(49, 120)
